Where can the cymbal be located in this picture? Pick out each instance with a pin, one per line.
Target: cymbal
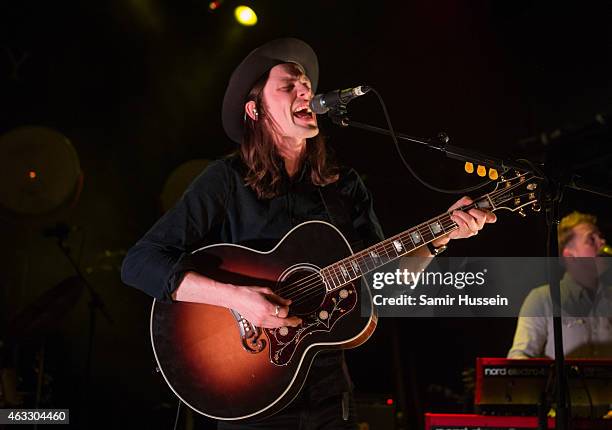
(39, 170)
(179, 180)
(44, 314)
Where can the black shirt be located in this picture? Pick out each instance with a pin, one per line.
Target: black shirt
(219, 208)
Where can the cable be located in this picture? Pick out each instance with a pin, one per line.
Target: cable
(407, 165)
(178, 412)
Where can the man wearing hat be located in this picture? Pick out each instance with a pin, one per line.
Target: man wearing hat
(280, 176)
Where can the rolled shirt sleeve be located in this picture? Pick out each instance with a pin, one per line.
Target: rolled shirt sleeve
(157, 263)
(532, 326)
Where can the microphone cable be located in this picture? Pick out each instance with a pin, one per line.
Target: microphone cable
(409, 167)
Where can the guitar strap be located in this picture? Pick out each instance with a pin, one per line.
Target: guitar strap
(338, 209)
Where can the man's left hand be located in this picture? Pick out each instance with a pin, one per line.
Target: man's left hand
(470, 222)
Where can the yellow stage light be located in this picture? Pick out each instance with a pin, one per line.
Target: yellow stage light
(245, 16)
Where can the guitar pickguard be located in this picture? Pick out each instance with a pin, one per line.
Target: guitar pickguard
(284, 341)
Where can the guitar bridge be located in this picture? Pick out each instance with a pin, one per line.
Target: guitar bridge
(250, 335)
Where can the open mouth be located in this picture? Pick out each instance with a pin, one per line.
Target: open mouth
(303, 113)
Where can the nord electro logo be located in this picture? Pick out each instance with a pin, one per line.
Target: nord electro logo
(515, 371)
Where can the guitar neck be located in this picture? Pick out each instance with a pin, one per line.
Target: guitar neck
(351, 268)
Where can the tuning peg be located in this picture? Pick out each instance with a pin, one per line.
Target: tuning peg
(481, 171)
(469, 167)
(522, 212)
(536, 207)
(493, 174)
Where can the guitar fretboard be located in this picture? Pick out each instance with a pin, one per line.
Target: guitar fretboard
(351, 268)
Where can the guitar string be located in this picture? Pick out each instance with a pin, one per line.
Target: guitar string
(317, 277)
(307, 282)
(446, 222)
(363, 253)
(319, 285)
(310, 294)
(314, 289)
(361, 256)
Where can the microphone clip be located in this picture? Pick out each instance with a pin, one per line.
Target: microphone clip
(339, 115)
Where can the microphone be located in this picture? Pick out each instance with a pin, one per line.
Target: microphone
(322, 103)
(605, 250)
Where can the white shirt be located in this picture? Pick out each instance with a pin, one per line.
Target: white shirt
(587, 323)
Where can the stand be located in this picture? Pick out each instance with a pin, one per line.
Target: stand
(61, 232)
(555, 182)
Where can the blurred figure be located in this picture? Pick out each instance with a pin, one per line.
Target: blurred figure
(586, 299)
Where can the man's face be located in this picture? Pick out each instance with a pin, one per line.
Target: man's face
(285, 97)
(586, 242)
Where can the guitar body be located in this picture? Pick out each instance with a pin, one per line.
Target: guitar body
(224, 367)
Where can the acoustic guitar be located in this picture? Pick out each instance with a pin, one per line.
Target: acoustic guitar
(225, 367)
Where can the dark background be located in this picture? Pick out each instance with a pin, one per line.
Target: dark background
(137, 87)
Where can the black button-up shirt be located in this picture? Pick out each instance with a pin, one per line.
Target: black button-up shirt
(219, 208)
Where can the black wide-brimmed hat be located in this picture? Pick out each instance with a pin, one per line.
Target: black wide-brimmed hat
(253, 67)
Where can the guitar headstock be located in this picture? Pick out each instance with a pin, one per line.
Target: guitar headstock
(515, 193)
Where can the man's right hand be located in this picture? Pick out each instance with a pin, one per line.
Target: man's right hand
(258, 305)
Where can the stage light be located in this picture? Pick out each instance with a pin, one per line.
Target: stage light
(245, 16)
(214, 5)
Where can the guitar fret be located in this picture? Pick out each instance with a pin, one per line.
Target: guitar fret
(334, 278)
(388, 250)
(345, 273)
(403, 243)
(411, 244)
(425, 233)
(389, 247)
(362, 265)
(441, 225)
(356, 267)
(335, 272)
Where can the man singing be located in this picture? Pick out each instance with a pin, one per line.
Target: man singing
(272, 183)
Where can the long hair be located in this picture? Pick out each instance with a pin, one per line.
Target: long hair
(259, 153)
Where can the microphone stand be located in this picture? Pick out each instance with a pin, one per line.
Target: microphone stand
(554, 184)
(95, 302)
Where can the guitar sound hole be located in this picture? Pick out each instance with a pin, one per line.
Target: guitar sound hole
(306, 290)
